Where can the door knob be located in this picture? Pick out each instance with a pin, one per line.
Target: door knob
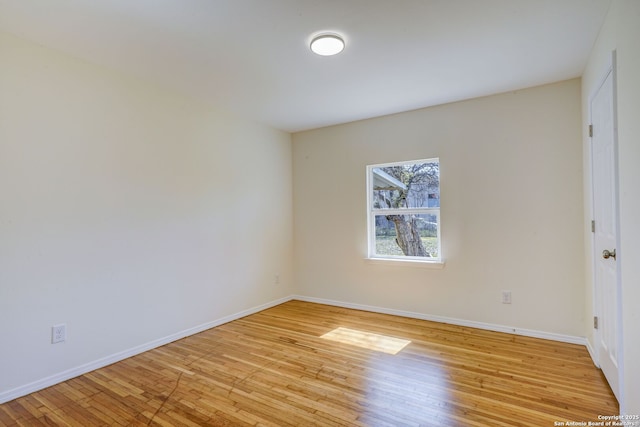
(606, 254)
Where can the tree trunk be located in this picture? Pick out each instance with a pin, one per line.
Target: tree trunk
(407, 236)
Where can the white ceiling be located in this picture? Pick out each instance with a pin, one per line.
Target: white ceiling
(252, 56)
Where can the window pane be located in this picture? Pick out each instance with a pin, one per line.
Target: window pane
(414, 185)
(420, 235)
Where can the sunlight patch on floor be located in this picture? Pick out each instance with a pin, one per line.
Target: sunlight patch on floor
(367, 340)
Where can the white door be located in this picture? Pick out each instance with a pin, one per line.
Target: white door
(605, 212)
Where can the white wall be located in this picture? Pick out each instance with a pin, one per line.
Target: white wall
(621, 32)
(511, 176)
(128, 212)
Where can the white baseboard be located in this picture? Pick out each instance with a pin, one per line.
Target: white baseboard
(105, 361)
(453, 321)
(592, 353)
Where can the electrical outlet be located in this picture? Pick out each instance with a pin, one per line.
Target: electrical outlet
(58, 333)
(276, 279)
(506, 297)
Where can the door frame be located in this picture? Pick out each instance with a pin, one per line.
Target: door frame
(595, 254)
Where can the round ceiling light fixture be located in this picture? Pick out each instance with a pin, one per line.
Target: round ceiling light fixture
(327, 44)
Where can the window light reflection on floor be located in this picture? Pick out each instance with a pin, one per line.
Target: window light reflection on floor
(367, 340)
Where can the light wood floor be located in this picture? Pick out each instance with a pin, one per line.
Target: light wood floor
(273, 369)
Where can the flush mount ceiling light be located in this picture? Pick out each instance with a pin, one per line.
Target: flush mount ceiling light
(327, 44)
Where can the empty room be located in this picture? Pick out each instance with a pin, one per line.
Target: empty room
(318, 212)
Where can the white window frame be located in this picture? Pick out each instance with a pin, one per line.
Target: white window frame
(372, 212)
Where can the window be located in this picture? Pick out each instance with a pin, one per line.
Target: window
(404, 210)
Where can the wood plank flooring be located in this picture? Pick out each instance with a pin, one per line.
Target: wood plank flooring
(273, 369)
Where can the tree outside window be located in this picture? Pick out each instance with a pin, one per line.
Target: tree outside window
(404, 210)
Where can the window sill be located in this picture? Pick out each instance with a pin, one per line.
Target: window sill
(432, 265)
